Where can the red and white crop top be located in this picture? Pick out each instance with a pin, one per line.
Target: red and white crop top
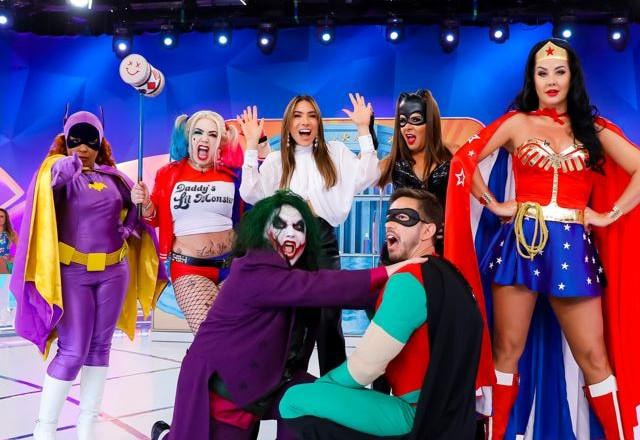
(202, 202)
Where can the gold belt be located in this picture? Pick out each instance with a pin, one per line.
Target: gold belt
(95, 261)
(540, 214)
(553, 212)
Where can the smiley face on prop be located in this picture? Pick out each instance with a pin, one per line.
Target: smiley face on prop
(135, 70)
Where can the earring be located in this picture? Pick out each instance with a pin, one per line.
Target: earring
(315, 144)
(288, 142)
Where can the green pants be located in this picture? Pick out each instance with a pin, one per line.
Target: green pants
(361, 409)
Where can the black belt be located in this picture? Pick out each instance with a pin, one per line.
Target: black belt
(222, 262)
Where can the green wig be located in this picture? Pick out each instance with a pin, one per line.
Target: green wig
(251, 233)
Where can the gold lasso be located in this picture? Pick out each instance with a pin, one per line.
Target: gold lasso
(525, 249)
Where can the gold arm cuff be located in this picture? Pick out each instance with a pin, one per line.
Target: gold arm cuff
(615, 213)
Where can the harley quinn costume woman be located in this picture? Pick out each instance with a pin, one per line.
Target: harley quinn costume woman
(195, 203)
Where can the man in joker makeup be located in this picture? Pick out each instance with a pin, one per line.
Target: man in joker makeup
(257, 339)
(425, 338)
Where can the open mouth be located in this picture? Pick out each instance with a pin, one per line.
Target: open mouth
(304, 132)
(202, 152)
(289, 249)
(411, 139)
(392, 240)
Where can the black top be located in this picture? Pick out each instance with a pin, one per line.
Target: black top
(402, 176)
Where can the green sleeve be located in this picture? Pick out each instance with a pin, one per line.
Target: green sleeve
(341, 376)
(403, 308)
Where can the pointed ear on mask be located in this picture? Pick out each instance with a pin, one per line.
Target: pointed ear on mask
(66, 114)
(102, 117)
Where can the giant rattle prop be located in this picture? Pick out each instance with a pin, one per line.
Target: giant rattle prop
(136, 71)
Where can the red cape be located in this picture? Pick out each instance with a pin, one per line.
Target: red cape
(617, 246)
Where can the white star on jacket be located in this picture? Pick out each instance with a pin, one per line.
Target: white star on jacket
(460, 176)
(565, 266)
(473, 138)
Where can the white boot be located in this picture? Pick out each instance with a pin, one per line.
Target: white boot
(92, 382)
(54, 393)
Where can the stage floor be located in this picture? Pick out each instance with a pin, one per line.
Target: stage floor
(140, 389)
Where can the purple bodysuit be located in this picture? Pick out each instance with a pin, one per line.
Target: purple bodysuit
(88, 210)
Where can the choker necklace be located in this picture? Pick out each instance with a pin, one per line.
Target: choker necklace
(550, 112)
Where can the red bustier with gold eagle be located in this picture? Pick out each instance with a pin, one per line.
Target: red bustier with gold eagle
(546, 177)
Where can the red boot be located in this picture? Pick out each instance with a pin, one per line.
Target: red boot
(504, 395)
(603, 399)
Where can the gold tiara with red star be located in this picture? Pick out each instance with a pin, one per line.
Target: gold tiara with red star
(552, 51)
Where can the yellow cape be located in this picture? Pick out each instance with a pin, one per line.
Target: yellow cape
(43, 262)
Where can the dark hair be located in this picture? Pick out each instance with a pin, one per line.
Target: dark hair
(429, 206)
(105, 156)
(13, 238)
(580, 111)
(435, 151)
(254, 223)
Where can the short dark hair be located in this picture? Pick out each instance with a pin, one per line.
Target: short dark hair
(429, 207)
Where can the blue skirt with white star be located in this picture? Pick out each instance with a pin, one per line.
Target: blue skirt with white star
(567, 267)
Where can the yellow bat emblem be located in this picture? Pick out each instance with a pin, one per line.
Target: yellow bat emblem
(98, 186)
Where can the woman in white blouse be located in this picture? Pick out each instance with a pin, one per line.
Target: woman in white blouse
(325, 173)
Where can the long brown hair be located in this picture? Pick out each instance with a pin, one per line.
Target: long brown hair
(324, 164)
(434, 150)
(8, 228)
(105, 157)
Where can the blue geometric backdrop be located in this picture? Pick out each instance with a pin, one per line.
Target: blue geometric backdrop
(479, 79)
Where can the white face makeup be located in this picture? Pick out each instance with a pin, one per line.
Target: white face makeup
(204, 142)
(287, 232)
(552, 79)
(304, 124)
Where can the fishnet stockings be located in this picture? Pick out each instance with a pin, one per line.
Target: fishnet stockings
(195, 294)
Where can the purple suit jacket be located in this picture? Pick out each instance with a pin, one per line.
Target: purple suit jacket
(245, 338)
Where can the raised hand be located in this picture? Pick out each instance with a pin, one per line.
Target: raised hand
(361, 113)
(251, 126)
